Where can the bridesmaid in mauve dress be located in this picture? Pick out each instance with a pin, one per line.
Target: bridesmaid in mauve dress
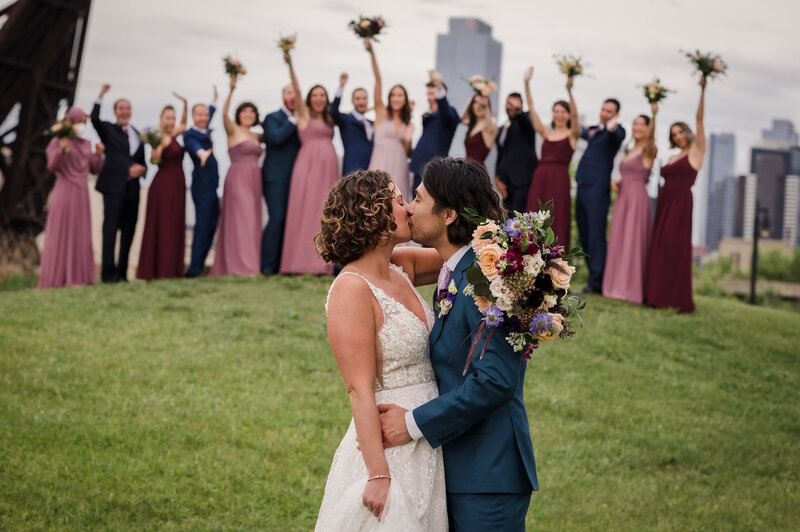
(629, 235)
(164, 236)
(551, 178)
(238, 250)
(67, 257)
(315, 171)
(481, 128)
(669, 262)
(393, 131)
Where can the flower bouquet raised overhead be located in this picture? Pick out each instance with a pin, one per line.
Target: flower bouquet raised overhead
(153, 138)
(481, 86)
(286, 44)
(234, 67)
(368, 27)
(709, 65)
(62, 129)
(520, 281)
(655, 91)
(570, 65)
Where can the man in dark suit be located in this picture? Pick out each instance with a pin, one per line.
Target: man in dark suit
(354, 128)
(594, 181)
(280, 136)
(205, 180)
(516, 155)
(119, 183)
(438, 127)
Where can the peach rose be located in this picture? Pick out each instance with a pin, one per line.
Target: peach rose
(560, 278)
(555, 329)
(482, 303)
(488, 260)
(479, 243)
(365, 24)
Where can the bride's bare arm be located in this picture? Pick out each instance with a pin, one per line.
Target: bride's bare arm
(351, 302)
(422, 265)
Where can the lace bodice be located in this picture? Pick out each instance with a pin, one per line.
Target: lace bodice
(403, 339)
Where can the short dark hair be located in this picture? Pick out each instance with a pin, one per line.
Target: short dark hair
(242, 107)
(457, 184)
(116, 103)
(614, 101)
(431, 85)
(353, 94)
(514, 95)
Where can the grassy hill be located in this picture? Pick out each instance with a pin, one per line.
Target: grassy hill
(216, 404)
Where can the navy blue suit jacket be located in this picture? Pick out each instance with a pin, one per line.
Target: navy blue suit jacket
(357, 147)
(516, 158)
(280, 137)
(480, 418)
(438, 128)
(114, 178)
(195, 140)
(594, 169)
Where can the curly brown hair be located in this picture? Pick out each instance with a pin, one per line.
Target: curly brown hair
(356, 217)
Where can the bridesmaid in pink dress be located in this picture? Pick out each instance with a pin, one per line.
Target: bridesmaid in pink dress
(551, 178)
(315, 171)
(630, 219)
(238, 250)
(164, 236)
(393, 131)
(67, 257)
(481, 128)
(669, 262)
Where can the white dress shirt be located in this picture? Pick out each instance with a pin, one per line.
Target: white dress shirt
(291, 115)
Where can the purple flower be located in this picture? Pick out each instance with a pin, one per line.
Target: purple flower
(509, 263)
(528, 353)
(557, 252)
(513, 227)
(541, 323)
(492, 316)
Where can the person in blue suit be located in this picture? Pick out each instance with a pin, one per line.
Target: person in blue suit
(438, 127)
(280, 137)
(118, 182)
(205, 180)
(355, 129)
(516, 155)
(594, 184)
(479, 418)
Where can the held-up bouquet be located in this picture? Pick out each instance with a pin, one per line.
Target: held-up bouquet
(368, 28)
(570, 65)
(287, 43)
(234, 67)
(709, 65)
(655, 91)
(63, 129)
(152, 137)
(481, 86)
(520, 280)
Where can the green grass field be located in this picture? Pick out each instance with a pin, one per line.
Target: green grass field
(216, 405)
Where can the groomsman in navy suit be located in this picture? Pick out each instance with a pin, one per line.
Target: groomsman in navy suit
(516, 155)
(355, 129)
(280, 136)
(119, 183)
(205, 180)
(594, 182)
(438, 127)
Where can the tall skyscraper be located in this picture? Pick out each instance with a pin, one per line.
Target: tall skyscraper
(721, 160)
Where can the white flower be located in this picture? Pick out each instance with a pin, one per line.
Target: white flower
(452, 288)
(549, 302)
(444, 307)
(469, 290)
(497, 287)
(532, 264)
(504, 302)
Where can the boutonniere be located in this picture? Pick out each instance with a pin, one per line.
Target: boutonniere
(445, 298)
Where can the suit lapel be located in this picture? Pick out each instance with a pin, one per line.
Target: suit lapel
(457, 277)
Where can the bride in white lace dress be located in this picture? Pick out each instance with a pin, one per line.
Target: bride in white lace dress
(378, 328)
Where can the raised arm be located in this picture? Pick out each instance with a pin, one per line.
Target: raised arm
(181, 126)
(97, 123)
(575, 123)
(650, 148)
(230, 125)
(337, 100)
(538, 126)
(380, 108)
(698, 149)
(303, 113)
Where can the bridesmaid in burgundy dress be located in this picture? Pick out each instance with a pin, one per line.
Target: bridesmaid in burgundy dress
(67, 257)
(164, 236)
(624, 276)
(481, 128)
(238, 250)
(669, 263)
(316, 170)
(551, 178)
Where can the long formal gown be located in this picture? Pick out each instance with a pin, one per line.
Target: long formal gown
(238, 250)
(164, 236)
(629, 235)
(417, 499)
(551, 182)
(669, 262)
(315, 171)
(67, 257)
(389, 154)
(476, 148)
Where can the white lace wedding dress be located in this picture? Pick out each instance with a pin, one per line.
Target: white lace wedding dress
(417, 500)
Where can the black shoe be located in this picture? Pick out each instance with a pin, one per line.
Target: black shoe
(267, 273)
(589, 289)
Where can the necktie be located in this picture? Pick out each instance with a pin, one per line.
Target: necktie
(444, 278)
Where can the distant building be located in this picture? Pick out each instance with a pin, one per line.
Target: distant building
(721, 160)
(782, 132)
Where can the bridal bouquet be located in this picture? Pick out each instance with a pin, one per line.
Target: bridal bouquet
(287, 43)
(655, 91)
(481, 86)
(368, 28)
(63, 129)
(234, 67)
(570, 65)
(710, 66)
(153, 138)
(520, 280)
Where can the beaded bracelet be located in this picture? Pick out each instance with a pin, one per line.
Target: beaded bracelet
(376, 477)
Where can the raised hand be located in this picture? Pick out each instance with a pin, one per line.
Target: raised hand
(654, 108)
(104, 89)
(233, 82)
(178, 96)
(99, 148)
(435, 78)
(343, 79)
(203, 156)
(528, 75)
(703, 81)
(569, 83)
(611, 125)
(215, 93)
